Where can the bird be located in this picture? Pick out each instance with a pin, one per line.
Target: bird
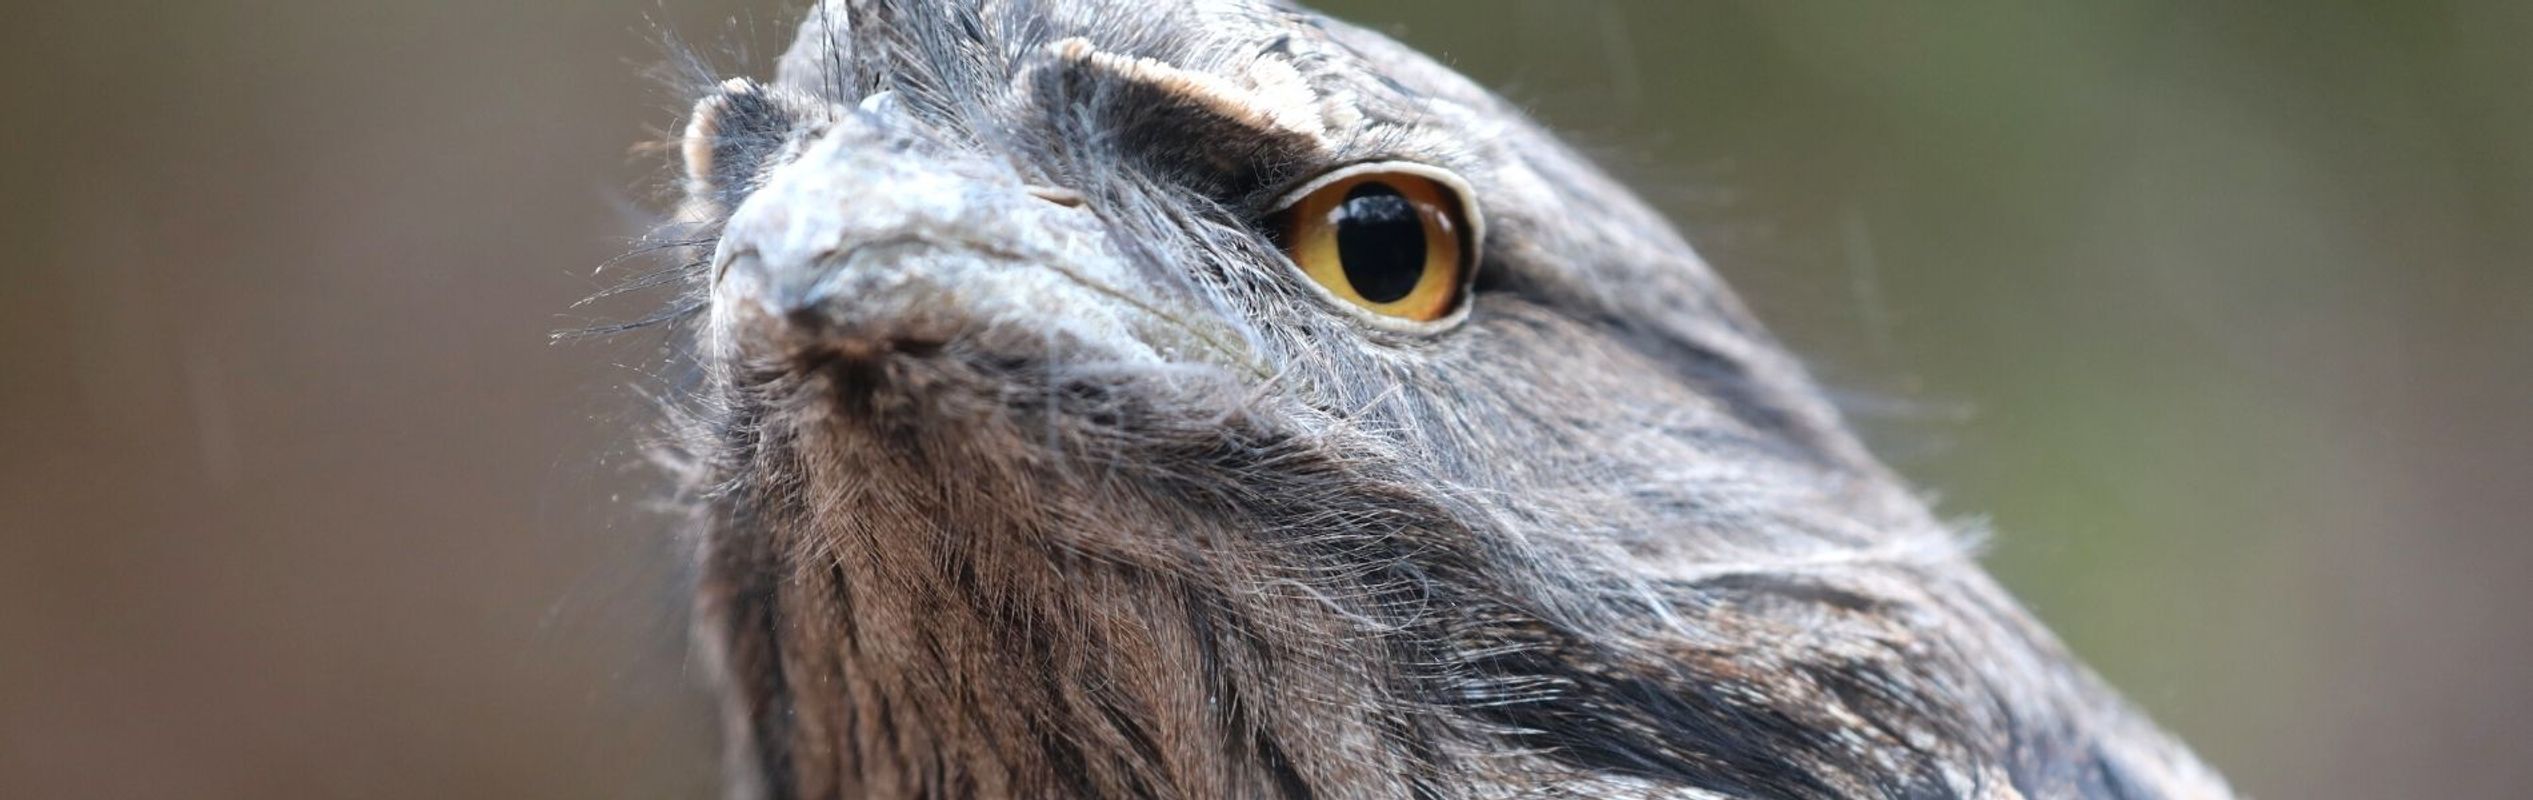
(1214, 399)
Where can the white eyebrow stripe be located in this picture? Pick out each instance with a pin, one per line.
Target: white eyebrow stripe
(1278, 100)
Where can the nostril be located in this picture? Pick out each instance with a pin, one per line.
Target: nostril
(772, 292)
(1058, 195)
(721, 262)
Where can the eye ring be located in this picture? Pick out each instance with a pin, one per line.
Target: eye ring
(1394, 244)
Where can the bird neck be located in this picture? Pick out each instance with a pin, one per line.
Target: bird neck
(913, 640)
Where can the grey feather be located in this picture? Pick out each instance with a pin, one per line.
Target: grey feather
(1023, 464)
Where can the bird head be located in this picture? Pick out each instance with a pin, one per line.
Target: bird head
(1105, 397)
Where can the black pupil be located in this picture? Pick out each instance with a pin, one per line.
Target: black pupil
(1381, 242)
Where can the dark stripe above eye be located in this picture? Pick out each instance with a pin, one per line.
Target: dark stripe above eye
(1216, 144)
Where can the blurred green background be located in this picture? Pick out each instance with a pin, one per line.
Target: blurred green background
(2217, 314)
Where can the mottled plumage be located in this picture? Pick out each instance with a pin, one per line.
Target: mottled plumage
(1024, 465)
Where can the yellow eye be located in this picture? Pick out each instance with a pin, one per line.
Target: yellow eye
(1390, 238)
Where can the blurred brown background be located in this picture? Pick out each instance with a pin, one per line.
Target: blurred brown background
(2219, 314)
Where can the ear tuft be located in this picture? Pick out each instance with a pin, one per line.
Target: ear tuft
(734, 135)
